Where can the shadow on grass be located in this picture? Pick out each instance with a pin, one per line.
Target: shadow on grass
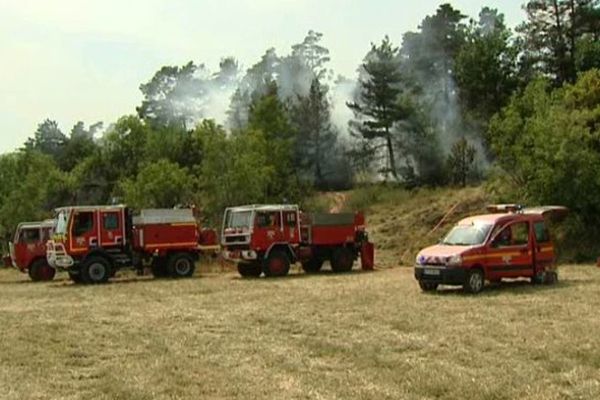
(303, 275)
(512, 287)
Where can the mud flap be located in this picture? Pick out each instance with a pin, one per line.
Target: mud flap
(367, 256)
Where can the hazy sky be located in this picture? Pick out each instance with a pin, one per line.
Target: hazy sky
(72, 60)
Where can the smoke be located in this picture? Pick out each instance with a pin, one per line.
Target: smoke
(342, 93)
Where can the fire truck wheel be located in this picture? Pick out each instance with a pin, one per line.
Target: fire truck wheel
(40, 271)
(249, 270)
(159, 267)
(428, 286)
(342, 260)
(551, 278)
(277, 264)
(95, 270)
(181, 265)
(312, 266)
(474, 282)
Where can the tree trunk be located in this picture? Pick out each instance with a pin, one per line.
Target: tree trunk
(391, 156)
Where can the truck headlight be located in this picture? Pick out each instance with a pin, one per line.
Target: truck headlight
(454, 261)
(420, 260)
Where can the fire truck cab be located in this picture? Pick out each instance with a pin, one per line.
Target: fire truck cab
(268, 238)
(92, 242)
(28, 249)
(509, 243)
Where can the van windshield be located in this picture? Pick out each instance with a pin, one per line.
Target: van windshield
(467, 235)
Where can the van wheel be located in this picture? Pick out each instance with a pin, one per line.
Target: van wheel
(312, 266)
(277, 264)
(475, 281)
(159, 267)
(342, 260)
(428, 286)
(40, 271)
(252, 270)
(95, 270)
(181, 265)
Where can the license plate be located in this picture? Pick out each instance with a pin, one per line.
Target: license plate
(433, 272)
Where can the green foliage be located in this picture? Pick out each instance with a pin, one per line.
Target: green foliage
(460, 162)
(159, 184)
(552, 33)
(547, 143)
(235, 170)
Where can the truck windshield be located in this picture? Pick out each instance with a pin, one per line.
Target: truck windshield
(467, 235)
(239, 219)
(61, 222)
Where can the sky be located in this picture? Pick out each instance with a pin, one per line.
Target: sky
(84, 60)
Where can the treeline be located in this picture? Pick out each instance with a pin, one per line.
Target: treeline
(458, 101)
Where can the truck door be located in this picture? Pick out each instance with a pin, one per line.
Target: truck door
(84, 231)
(510, 254)
(543, 247)
(111, 231)
(268, 229)
(27, 245)
(291, 232)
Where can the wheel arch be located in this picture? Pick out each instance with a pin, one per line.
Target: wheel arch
(284, 247)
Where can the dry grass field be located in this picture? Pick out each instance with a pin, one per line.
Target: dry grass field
(355, 336)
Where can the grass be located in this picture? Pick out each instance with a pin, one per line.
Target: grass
(360, 335)
(401, 222)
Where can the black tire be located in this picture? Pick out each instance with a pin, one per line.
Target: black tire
(428, 286)
(277, 264)
(75, 277)
(95, 270)
(312, 266)
(159, 267)
(181, 265)
(474, 282)
(41, 271)
(551, 278)
(342, 260)
(249, 270)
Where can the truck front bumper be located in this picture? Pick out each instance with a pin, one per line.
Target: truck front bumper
(240, 256)
(440, 274)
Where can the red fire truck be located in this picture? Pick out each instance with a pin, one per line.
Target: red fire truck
(268, 238)
(511, 242)
(92, 242)
(28, 250)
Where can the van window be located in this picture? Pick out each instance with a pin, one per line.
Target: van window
(84, 222)
(513, 235)
(520, 233)
(541, 232)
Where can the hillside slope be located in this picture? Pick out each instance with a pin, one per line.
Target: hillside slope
(401, 222)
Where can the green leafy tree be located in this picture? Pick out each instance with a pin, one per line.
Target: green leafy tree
(270, 116)
(235, 169)
(316, 138)
(377, 107)
(48, 139)
(543, 137)
(175, 96)
(486, 67)
(552, 33)
(159, 184)
(461, 162)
